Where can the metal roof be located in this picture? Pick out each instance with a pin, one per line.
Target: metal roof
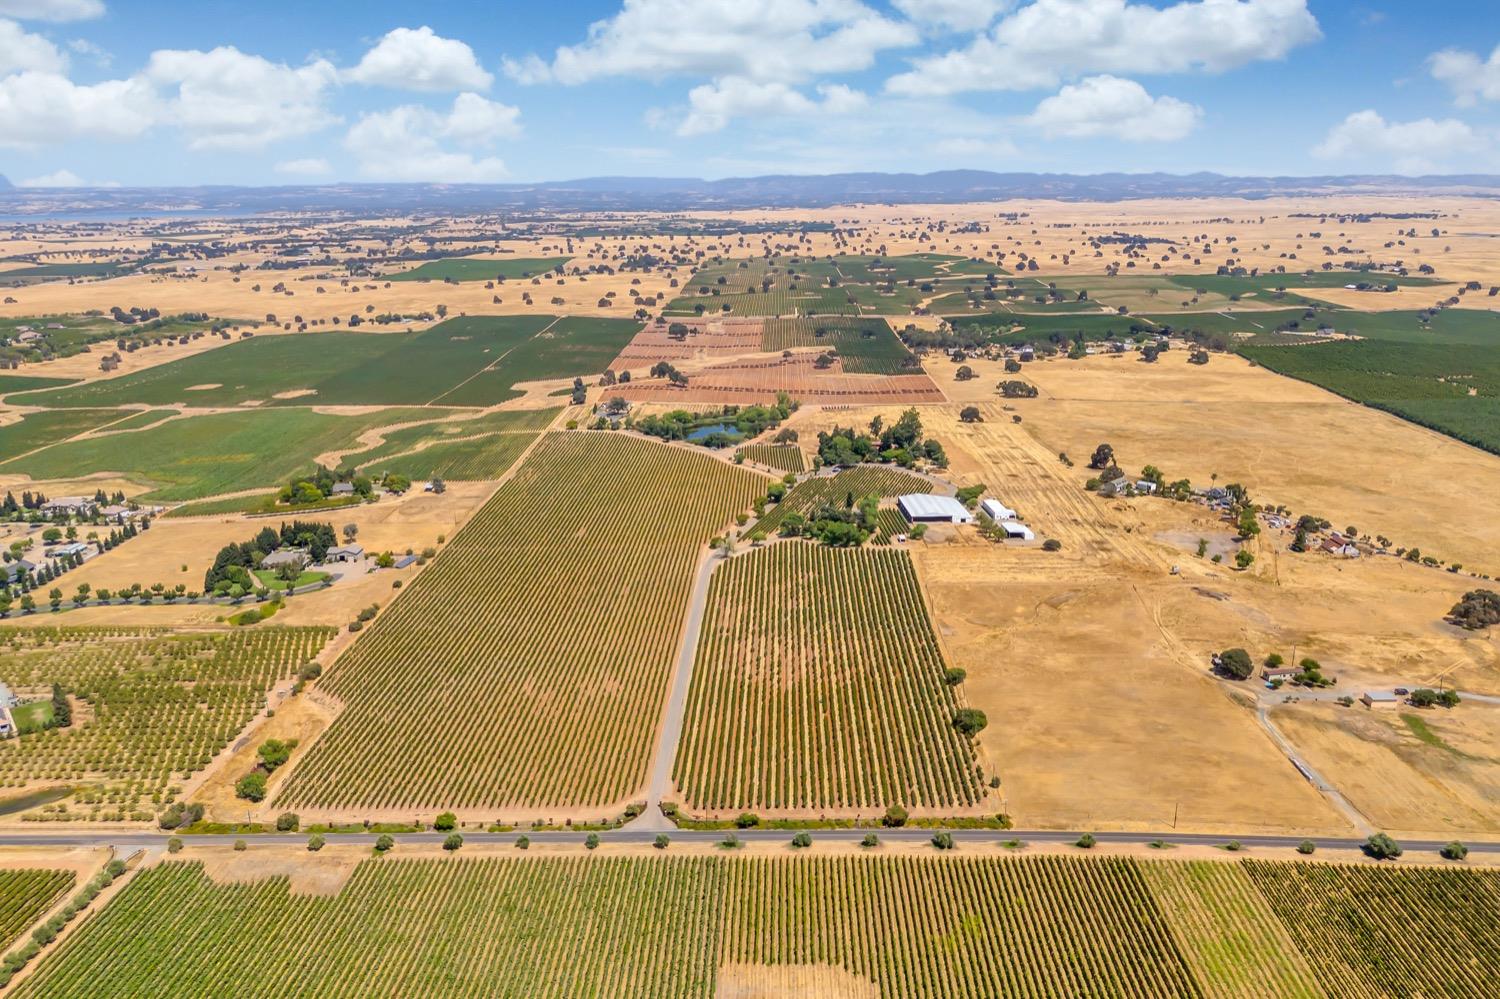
(920, 505)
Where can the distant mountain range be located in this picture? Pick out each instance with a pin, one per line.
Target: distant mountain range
(689, 194)
(5, 184)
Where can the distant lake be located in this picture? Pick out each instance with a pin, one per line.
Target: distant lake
(717, 428)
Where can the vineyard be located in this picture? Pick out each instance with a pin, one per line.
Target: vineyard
(1382, 931)
(857, 482)
(909, 926)
(819, 684)
(784, 457)
(526, 667)
(25, 894)
(153, 708)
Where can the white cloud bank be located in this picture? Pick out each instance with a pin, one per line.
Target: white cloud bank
(53, 10)
(412, 143)
(1419, 146)
(1110, 106)
(420, 59)
(1469, 77)
(713, 105)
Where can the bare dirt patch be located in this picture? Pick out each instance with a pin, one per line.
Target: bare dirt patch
(322, 873)
(790, 981)
(295, 394)
(206, 386)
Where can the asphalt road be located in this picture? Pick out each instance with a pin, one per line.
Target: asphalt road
(634, 835)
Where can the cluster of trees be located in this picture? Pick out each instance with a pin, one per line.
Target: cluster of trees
(662, 369)
(273, 753)
(610, 378)
(1478, 609)
(847, 526)
(13, 508)
(232, 565)
(901, 443)
(319, 485)
(1014, 388)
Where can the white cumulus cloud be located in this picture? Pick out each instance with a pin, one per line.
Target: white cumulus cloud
(1049, 41)
(420, 59)
(414, 143)
(1419, 146)
(713, 105)
(227, 99)
(20, 50)
(785, 41)
(953, 15)
(58, 178)
(53, 10)
(39, 109)
(1467, 75)
(1111, 106)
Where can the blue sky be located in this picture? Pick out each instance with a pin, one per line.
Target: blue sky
(158, 92)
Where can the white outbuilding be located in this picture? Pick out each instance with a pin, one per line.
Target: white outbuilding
(920, 508)
(1017, 531)
(997, 511)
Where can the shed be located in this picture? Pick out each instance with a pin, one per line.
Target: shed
(920, 508)
(1383, 698)
(997, 511)
(1016, 529)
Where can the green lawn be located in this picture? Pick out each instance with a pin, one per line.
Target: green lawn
(207, 455)
(33, 716)
(479, 269)
(268, 579)
(27, 383)
(258, 504)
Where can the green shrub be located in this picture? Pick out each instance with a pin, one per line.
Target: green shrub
(452, 842)
(1086, 841)
(661, 841)
(894, 817)
(446, 822)
(384, 843)
(287, 822)
(1307, 847)
(1454, 851)
(315, 842)
(870, 840)
(942, 840)
(802, 840)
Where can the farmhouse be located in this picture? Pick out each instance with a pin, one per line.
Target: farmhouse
(11, 571)
(343, 489)
(71, 548)
(997, 511)
(1380, 698)
(70, 505)
(345, 553)
(1280, 672)
(286, 556)
(920, 508)
(1016, 530)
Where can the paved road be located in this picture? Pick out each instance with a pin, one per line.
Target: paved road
(660, 782)
(633, 835)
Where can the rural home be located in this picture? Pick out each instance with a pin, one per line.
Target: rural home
(11, 571)
(285, 556)
(1280, 672)
(343, 489)
(71, 548)
(920, 508)
(70, 505)
(345, 553)
(1381, 698)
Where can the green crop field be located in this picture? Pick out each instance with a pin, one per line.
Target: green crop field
(571, 347)
(795, 286)
(202, 456)
(479, 269)
(556, 610)
(857, 482)
(678, 926)
(29, 383)
(26, 893)
(37, 430)
(398, 442)
(1001, 327)
(411, 368)
(473, 459)
(58, 272)
(819, 684)
(867, 346)
(157, 706)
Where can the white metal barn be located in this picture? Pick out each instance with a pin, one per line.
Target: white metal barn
(1016, 530)
(997, 511)
(923, 509)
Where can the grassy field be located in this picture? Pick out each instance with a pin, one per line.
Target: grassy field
(410, 368)
(702, 926)
(819, 684)
(258, 503)
(474, 459)
(859, 482)
(26, 893)
(479, 269)
(206, 455)
(542, 686)
(158, 707)
(58, 272)
(28, 383)
(36, 430)
(422, 434)
(793, 286)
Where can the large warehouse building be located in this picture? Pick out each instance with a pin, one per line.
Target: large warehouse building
(922, 509)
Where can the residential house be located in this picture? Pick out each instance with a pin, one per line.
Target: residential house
(345, 553)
